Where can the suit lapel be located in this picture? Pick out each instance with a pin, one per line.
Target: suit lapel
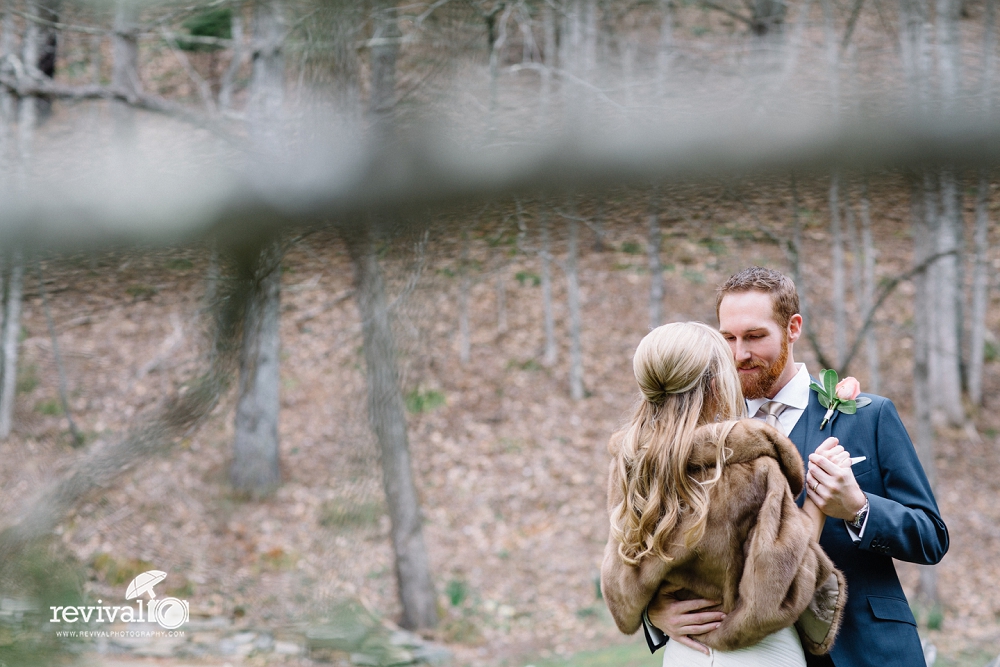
(806, 434)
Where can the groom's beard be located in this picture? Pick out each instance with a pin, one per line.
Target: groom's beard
(758, 384)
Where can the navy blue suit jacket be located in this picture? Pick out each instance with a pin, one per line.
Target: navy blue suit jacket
(878, 628)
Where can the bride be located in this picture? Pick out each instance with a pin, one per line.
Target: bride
(702, 506)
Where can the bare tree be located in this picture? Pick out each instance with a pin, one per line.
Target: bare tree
(74, 432)
(980, 273)
(464, 334)
(388, 421)
(501, 303)
(125, 49)
(576, 390)
(256, 468)
(551, 349)
(655, 265)
(868, 286)
(11, 332)
(229, 76)
(837, 283)
(923, 335)
(949, 230)
(980, 291)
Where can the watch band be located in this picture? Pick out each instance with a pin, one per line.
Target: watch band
(859, 518)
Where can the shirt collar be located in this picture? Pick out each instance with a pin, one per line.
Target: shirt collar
(795, 394)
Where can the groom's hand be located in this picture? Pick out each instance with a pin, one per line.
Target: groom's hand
(831, 483)
(683, 620)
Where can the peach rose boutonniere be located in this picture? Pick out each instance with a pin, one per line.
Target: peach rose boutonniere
(838, 395)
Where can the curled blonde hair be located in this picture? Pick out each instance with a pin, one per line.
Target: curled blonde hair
(687, 378)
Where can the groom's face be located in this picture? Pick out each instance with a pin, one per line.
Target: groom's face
(760, 345)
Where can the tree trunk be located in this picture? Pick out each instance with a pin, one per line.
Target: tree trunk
(388, 421)
(501, 304)
(229, 77)
(551, 350)
(256, 469)
(980, 276)
(665, 53)
(797, 276)
(11, 332)
(837, 286)
(47, 49)
(267, 78)
(655, 266)
(980, 290)
(464, 335)
(125, 48)
(923, 305)
(576, 391)
(8, 103)
(947, 289)
(382, 103)
(868, 288)
(74, 432)
(549, 57)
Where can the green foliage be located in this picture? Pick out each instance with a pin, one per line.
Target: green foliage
(990, 352)
(51, 407)
(713, 245)
(141, 291)
(935, 617)
(27, 378)
(457, 592)
(118, 572)
(418, 401)
(210, 23)
(696, 277)
(527, 365)
(527, 277)
(179, 264)
(632, 248)
(346, 513)
(41, 578)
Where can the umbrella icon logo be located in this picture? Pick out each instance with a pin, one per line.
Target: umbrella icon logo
(144, 584)
(170, 613)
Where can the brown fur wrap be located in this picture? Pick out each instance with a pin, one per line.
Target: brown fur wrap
(757, 555)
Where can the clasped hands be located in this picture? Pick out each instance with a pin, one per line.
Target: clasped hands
(830, 484)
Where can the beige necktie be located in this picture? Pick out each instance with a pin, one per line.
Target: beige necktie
(773, 409)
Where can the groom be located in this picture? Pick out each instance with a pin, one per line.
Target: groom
(881, 508)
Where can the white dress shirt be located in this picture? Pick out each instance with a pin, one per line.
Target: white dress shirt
(795, 396)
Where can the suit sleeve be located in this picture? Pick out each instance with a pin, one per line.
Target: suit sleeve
(906, 523)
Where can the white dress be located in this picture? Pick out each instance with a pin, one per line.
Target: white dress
(781, 649)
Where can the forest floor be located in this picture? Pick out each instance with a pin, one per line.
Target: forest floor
(511, 471)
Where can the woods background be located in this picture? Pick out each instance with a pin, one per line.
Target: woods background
(326, 309)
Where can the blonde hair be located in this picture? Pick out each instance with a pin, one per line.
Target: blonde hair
(687, 377)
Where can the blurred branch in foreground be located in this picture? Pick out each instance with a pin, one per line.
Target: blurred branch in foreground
(165, 207)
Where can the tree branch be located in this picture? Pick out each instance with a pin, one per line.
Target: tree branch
(887, 289)
(851, 22)
(728, 12)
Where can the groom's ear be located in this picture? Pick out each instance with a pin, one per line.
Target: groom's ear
(794, 328)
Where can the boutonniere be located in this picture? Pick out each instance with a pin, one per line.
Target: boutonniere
(841, 396)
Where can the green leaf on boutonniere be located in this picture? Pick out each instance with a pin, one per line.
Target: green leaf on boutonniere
(848, 407)
(827, 396)
(829, 382)
(824, 400)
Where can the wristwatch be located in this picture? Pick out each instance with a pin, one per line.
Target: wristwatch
(859, 518)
